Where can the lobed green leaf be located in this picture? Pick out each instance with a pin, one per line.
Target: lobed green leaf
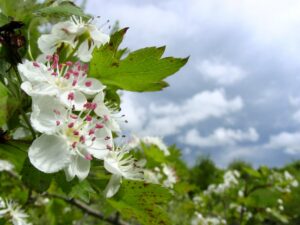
(141, 70)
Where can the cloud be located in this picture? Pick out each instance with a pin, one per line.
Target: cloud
(221, 137)
(168, 119)
(296, 116)
(251, 47)
(289, 142)
(223, 73)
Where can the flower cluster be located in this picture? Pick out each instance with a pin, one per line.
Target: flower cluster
(74, 34)
(13, 212)
(166, 176)
(149, 140)
(230, 180)
(284, 181)
(69, 109)
(199, 219)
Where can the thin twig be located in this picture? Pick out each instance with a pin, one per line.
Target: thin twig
(87, 209)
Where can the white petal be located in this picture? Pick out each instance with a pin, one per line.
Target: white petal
(113, 186)
(49, 153)
(79, 167)
(113, 125)
(82, 167)
(98, 37)
(39, 88)
(48, 43)
(101, 109)
(99, 148)
(84, 52)
(111, 164)
(32, 73)
(78, 102)
(43, 117)
(69, 171)
(65, 29)
(94, 88)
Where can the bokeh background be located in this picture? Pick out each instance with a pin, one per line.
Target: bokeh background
(239, 95)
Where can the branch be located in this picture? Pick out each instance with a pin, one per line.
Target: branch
(85, 208)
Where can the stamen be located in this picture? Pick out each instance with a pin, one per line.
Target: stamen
(74, 144)
(106, 118)
(69, 63)
(88, 118)
(99, 125)
(88, 157)
(88, 83)
(106, 138)
(70, 125)
(76, 132)
(82, 139)
(91, 132)
(109, 147)
(73, 116)
(71, 96)
(74, 83)
(57, 122)
(67, 75)
(49, 58)
(35, 64)
(57, 112)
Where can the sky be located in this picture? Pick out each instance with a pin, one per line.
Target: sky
(238, 97)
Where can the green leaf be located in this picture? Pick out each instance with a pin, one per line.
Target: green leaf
(141, 201)
(3, 19)
(3, 104)
(64, 9)
(15, 152)
(82, 190)
(141, 70)
(35, 179)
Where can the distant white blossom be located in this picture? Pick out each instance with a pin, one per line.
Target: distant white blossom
(171, 176)
(230, 180)
(6, 165)
(148, 140)
(13, 210)
(199, 219)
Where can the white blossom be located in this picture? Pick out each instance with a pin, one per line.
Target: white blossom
(171, 176)
(158, 142)
(6, 165)
(121, 165)
(69, 141)
(68, 82)
(75, 33)
(13, 210)
(105, 112)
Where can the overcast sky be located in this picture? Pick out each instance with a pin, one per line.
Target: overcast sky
(239, 95)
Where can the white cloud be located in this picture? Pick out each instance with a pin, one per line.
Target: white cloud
(221, 72)
(135, 114)
(220, 137)
(289, 142)
(296, 116)
(168, 119)
(294, 100)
